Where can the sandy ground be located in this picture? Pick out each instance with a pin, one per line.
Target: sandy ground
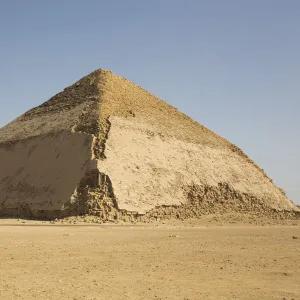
(89, 262)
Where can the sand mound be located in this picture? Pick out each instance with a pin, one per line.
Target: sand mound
(107, 147)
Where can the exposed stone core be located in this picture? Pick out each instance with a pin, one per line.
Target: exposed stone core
(107, 147)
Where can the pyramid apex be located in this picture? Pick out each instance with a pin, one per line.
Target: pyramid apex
(104, 141)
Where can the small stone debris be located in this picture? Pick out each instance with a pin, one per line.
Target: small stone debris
(295, 237)
(174, 236)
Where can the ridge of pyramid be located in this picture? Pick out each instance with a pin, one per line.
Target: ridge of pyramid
(122, 98)
(130, 151)
(86, 106)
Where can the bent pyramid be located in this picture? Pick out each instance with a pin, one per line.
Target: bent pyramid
(107, 147)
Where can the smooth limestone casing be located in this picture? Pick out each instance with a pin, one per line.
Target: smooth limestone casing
(42, 172)
(151, 152)
(148, 170)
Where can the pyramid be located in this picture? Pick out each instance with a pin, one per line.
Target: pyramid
(106, 147)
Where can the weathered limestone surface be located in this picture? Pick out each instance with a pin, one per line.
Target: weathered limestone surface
(107, 147)
(147, 169)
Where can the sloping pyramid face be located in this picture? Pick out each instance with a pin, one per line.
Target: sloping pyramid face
(107, 147)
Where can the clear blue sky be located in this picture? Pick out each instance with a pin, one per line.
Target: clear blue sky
(232, 65)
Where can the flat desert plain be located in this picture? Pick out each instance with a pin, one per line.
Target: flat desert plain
(157, 261)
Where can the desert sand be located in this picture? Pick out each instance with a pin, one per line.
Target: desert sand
(186, 261)
(142, 202)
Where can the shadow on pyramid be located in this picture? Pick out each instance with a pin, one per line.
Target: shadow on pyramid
(109, 148)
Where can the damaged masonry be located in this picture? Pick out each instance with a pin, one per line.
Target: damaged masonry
(108, 148)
